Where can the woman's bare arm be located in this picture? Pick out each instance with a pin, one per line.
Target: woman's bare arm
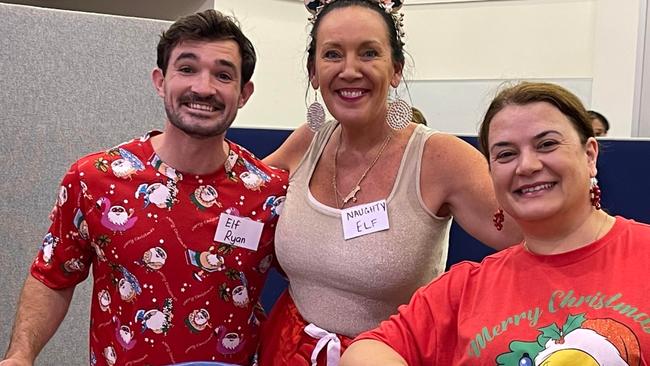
(367, 352)
(289, 154)
(455, 174)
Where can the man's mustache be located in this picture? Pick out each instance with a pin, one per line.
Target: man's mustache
(195, 98)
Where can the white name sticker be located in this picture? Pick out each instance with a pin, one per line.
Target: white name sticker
(364, 219)
(238, 231)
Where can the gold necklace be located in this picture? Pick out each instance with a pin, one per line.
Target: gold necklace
(600, 229)
(357, 188)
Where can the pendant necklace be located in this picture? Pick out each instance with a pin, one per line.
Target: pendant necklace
(352, 196)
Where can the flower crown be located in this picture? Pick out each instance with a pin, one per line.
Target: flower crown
(391, 7)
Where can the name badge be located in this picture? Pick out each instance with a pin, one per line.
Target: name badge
(238, 231)
(364, 219)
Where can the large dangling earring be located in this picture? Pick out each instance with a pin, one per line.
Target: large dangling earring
(498, 219)
(594, 192)
(315, 114)
(399, 114)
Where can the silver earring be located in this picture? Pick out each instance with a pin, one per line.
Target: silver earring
(315, 114)
(399, 114)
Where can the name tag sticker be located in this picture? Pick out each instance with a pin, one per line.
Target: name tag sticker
(364, 219)
(238, 231)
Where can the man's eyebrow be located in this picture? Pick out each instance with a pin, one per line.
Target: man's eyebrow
(186, 55)
(226, 63)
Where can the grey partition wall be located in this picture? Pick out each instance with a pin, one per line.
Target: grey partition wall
(70, 83)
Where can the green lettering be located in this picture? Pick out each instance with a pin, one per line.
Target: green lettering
(551, 304)
(504, 324)
(534, 318)
(495, 331)
(568, 300)
(625, 309)
(640, 315)
(487, 335)
(609, 301)
(597, 301)
(580, 301)
(473, 349)
(480, 342)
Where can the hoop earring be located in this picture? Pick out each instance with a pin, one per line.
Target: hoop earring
(315, 114)
(594, 193)
(399, 113)
(498, 219)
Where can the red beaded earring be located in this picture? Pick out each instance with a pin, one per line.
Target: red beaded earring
(498, 219)
(594, 193)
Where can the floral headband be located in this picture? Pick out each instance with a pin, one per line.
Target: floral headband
(390, 6)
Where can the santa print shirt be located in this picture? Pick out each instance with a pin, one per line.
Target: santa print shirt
(590, 306)
(164, 290)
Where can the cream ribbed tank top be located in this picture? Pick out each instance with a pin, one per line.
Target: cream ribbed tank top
(349, 286)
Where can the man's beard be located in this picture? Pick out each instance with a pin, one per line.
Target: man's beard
(201, 132)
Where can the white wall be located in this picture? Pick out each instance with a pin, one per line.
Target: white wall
(278, 30)
(616, 49)
(572, 40)
(642, 93)
(501, 39)
(462, 50)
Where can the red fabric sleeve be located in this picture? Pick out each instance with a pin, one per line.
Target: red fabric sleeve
(65, 255)
(424, 331)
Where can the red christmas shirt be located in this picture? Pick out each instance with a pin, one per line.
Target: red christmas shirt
(589, 306)
(164, 291)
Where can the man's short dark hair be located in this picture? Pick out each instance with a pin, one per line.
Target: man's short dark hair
(208, 25)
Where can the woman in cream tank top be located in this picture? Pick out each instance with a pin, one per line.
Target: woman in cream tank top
(371, 195)
(361, 280)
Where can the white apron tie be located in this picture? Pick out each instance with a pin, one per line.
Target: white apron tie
(325, 338)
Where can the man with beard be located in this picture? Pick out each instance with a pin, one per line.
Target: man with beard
(205, 64)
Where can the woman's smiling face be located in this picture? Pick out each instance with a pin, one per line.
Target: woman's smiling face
(539, 166)
(353, 64)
